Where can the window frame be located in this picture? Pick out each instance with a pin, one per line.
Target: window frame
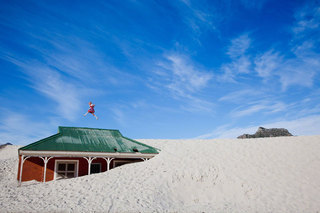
(65, 161)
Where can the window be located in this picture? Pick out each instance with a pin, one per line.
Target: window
(95, 168)
(66, 169)
(117, 163)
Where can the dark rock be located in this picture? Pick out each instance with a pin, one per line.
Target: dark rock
(263, 133)
(4, 145)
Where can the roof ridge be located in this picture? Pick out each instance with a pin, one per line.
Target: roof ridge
(70, 127)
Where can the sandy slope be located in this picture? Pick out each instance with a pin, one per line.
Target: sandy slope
(252, 175)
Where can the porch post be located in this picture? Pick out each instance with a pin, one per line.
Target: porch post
(108, 163)
(23, 158)
(108, 160)
(89, 159)
(21, 165)
(45, 160)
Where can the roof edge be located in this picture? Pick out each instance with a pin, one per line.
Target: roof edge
(39, 141)
(70, 127)
(142, 144)
(85, 154)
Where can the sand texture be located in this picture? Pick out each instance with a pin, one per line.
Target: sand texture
(223, 175)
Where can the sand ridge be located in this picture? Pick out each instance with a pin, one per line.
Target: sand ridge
(219, 175)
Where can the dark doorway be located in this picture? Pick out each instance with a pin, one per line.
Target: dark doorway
(95, 168)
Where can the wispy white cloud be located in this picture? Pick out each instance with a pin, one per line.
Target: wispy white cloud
(241, 95)
(297, 66)
(265, 105)
(267, 63)
(241, 65)
(186, 78)
(196, 104)
(65, 93)
(300, 65)
(68, 47)
(248, 110)
(226, 131)
(180, 75)
(308, 19)
(259, 107)
(21, 129)
(182, 78)
(239, 46)
(67, 72)
(80, 60)
(298, 70)
(119, 115)
(241, 62)
(197, 17)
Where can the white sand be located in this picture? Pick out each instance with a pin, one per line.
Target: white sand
(251, 175)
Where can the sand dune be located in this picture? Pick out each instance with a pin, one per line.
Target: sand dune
(224, 175)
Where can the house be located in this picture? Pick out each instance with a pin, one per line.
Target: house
(75, 151)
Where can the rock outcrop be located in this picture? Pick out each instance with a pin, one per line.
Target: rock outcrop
(4, 145)
(263, 133)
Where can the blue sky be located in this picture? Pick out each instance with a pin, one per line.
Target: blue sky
(159, 69)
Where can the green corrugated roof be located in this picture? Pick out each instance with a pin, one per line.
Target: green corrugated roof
(89, 140)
